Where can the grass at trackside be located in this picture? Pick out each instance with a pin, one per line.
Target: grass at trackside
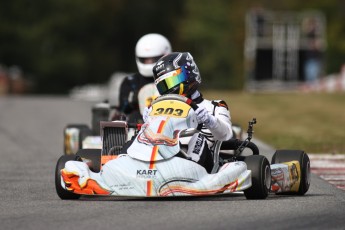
(314, 122)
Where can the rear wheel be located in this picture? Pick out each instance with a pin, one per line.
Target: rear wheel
(63, 193)
(92, 157)
(281, 156)
(261, 177)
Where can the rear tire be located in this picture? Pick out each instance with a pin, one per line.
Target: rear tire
(261, 177)
(63, 193)
(281, 156)
(94, 156)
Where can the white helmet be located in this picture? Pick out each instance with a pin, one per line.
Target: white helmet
(148, 50)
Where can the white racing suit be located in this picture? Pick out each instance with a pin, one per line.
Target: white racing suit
(198, 146)
(200, 143)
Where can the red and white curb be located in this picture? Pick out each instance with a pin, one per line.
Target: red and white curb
(330, 167)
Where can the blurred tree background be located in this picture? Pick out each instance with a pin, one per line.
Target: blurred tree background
(59, 44)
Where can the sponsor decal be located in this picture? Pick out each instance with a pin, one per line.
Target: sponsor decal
(159, 66)
(146, 173)
(122, 186)
(198, 144)
(285, 177)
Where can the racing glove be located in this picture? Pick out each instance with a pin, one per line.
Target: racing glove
(203, 117)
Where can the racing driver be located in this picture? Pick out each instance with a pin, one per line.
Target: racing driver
(148, 50)
(177, 73)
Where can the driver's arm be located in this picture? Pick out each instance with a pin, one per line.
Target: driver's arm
(220, 123)
(222, 130)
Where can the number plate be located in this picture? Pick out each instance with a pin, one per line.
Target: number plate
(170, 108)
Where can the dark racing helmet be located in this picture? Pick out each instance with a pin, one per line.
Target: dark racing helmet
(176, 73)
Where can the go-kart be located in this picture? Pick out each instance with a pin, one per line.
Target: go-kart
(153, 164)
(82, 136)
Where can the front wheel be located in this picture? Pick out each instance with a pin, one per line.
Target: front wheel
(281, 156)
(261, 177)
(63, 193)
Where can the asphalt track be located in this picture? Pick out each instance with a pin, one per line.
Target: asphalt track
(31, 142)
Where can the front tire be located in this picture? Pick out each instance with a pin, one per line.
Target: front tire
(63, 193)
(261, 177)
(281, 156)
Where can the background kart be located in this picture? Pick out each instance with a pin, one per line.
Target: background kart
(83, 136)
(107, 171)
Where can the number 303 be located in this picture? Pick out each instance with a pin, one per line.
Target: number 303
(168, 111)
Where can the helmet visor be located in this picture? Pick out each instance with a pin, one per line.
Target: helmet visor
(169, 80)
(149, 60)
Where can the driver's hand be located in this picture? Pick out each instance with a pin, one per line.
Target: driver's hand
(146, 113)
(203, 117)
